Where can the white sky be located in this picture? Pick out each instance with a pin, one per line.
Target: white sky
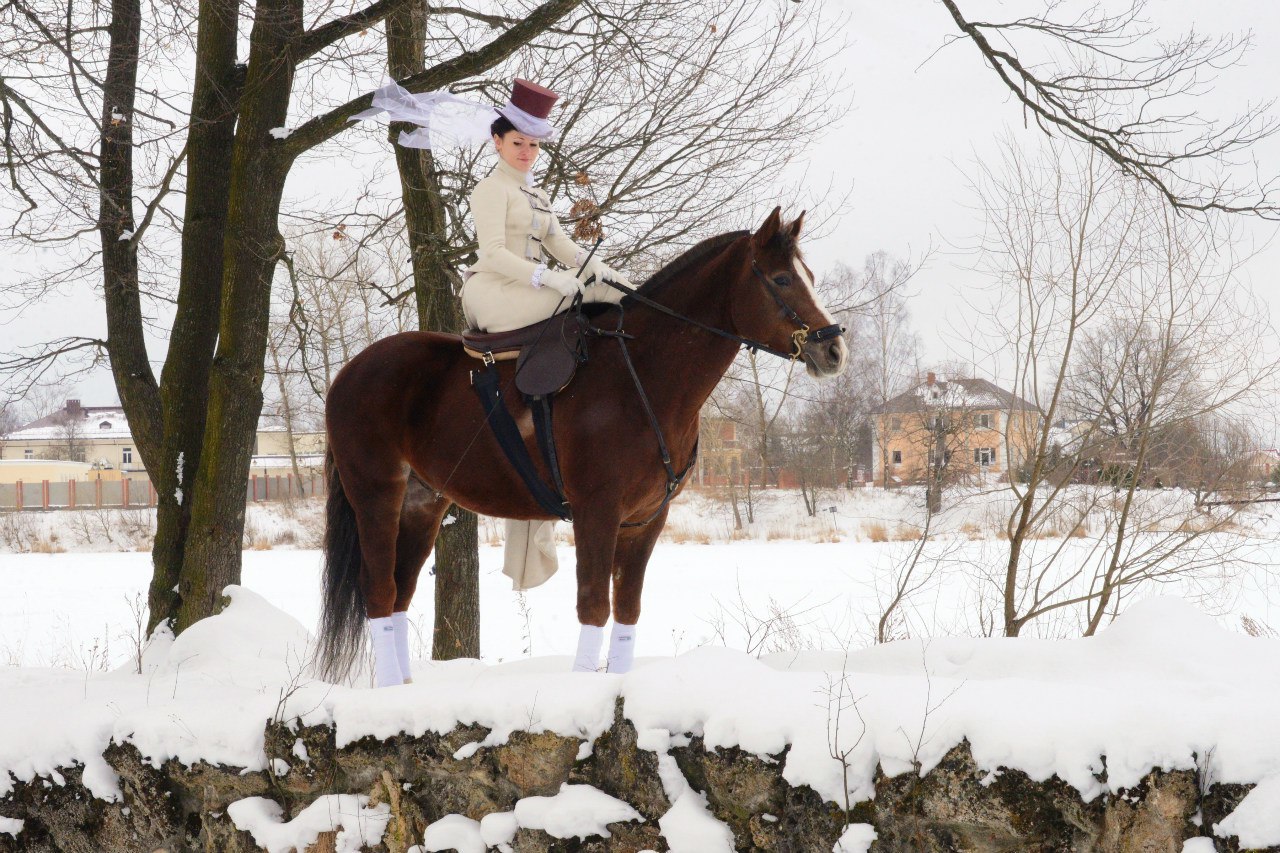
(915, 128)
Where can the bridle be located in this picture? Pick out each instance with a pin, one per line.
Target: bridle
(554, 502)
(801, 336)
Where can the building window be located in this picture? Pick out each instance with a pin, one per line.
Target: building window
(897, 457)
(984, 421)
(895, 423)
(984, 456)
(28, 453)
(126, 456)
(939, 422)
(105, 425)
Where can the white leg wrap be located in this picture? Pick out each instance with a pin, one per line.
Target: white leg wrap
(386, 668)
(622, 647)
(590, 639)
(401, 623)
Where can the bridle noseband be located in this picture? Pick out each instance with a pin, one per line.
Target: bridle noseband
(800, 336)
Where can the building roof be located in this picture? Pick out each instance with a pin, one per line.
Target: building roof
(99, 422)
(954, 394)
(92, 422)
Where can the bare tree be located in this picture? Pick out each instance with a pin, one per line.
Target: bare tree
(232, 151)
(894, 349)
(1104, 77)
(1084, 254)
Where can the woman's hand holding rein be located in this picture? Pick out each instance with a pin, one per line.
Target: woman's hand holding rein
(562, 282)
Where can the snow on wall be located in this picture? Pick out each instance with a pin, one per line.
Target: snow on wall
(1160, 687)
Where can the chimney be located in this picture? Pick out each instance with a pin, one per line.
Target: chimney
(73, 408)
(931, 377)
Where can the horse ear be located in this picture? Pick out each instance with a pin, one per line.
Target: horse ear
(770, 228)
(794, 227)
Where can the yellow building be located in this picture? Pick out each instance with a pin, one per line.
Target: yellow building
(98, 438)
(975, 427)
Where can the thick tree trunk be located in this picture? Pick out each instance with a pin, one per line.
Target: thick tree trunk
(135, 381)
(185, 380)
(457, 550)
(252, 247)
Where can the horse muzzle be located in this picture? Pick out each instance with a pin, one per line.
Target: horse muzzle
(825, 358)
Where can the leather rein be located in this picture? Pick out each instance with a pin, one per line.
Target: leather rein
(801, 336)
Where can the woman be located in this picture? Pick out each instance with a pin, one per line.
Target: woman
(511, 284)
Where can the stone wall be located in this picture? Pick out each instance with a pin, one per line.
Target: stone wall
(955, 807)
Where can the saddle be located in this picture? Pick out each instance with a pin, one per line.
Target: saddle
(547, 354)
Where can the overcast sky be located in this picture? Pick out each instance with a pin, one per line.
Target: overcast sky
(920, 119)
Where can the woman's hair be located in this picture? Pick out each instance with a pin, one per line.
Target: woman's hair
(501, 126)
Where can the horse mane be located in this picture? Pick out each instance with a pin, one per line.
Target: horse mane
(698, 253)
(782, 241)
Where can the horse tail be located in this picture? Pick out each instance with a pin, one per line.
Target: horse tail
(341, 638)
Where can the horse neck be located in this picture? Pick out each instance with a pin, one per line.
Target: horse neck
(682, 377)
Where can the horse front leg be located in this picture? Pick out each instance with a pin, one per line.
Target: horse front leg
(631, 557)
(595, 536)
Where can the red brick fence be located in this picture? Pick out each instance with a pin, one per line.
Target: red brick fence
(138, 493)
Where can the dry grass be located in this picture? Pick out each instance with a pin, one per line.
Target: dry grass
(47, 545)
(876, 532)
(907, 533)
(681, 534)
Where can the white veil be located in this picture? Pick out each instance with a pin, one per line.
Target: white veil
(448, 120)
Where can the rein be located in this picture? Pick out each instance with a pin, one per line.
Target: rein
(802, 335)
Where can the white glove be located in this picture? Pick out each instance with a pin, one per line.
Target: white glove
(602, 271)
(564, 283)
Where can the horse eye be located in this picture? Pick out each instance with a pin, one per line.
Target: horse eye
(783, 280)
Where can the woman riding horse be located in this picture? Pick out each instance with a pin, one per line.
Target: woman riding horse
(509, 287)
(408, 438)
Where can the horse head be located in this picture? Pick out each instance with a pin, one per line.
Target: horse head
(776, 304)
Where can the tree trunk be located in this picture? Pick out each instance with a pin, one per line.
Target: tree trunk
(184, 382)
(937, 470)
(457, 549)
(252, 247)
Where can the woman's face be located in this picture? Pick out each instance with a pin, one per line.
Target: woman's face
(517, 150)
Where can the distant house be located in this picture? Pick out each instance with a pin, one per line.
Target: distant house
(1262, 464)
(99, 438)
(976, 426)
(719, 453)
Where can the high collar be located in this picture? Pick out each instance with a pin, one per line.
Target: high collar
(514, 174)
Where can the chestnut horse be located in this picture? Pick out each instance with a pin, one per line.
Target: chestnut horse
(408, 437)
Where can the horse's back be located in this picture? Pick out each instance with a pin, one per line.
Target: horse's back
(378, 389)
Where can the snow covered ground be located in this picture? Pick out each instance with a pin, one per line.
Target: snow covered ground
(756, 626)
(1164, 686)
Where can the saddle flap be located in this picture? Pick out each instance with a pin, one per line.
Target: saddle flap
(548, 363)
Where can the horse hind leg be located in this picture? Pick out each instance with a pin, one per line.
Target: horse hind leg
(421, 512)
(377, 502)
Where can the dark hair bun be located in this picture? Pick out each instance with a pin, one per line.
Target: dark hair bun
(501, 127)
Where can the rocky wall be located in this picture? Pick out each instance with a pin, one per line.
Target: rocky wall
(955, 807)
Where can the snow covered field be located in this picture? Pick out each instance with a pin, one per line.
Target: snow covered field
(759, 628)
(1164, 686)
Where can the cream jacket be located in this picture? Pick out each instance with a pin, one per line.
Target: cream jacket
(515, 227)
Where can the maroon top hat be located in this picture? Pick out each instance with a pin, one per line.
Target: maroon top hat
(534, 99)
